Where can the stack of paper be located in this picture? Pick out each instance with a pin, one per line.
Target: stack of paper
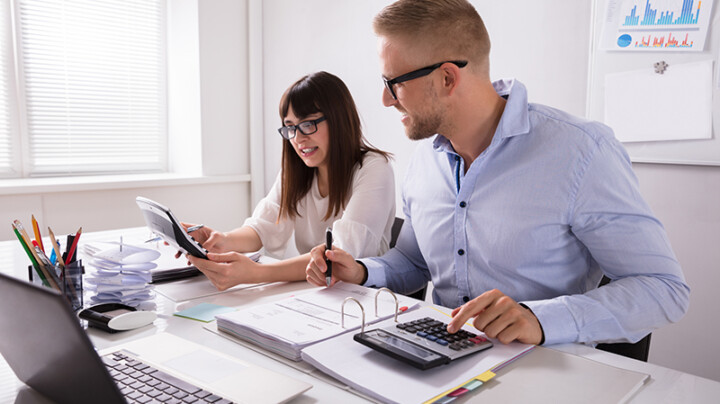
(287, 326)
(121, 274)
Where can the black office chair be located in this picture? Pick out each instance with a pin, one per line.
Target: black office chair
(397, 225)
(639, 350)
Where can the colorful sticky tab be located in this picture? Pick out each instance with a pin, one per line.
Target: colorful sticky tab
(459, 392)
(473, 384)
(486, 376)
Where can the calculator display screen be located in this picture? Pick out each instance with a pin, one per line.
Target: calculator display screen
(401, 344)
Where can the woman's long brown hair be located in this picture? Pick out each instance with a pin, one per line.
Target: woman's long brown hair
(324, 93)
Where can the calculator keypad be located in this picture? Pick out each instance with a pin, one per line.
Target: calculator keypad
(423, 343)
(436, 331)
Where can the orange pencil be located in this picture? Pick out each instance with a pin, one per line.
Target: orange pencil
(71, 251)
(38, 236)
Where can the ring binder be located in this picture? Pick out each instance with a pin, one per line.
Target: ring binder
(362, 309)
(394, 297)
(342, 313)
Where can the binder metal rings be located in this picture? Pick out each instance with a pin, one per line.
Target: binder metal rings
(342, 313)
(394, 297)
(362, 309)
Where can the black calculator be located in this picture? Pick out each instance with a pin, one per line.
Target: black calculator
(423, 343)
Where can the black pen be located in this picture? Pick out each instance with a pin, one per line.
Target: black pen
(328, 246)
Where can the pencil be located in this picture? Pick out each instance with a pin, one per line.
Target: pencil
(71, 251)
(19, 226)
(56, 248)
(27, 250)
(38, 236)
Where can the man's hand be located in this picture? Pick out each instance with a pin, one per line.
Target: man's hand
(498, 316)
(345, 268)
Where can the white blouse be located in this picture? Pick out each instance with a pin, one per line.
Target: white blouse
(362, 228)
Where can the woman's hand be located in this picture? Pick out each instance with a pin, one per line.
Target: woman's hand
(211, 240)
(344, 267)
(226, 270)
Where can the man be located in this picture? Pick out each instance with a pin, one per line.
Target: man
(514, 211)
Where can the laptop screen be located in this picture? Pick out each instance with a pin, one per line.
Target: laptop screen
(44, 344)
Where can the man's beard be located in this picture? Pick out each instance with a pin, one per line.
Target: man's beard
(426, 124)
(423, 127)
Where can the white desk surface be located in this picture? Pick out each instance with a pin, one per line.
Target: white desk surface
(665, 385)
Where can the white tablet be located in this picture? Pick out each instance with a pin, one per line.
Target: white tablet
(162, 222)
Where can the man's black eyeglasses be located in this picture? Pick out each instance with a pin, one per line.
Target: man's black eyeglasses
(306, 128)
(419, 73)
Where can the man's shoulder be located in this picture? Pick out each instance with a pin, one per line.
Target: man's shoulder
(555, 122)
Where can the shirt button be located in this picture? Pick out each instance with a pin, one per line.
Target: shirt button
(457, 158)
(461, 251)
(463, 204)
(466, 299)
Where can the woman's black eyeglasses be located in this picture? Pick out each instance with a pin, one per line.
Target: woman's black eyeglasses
(306, 128)
(419, 73)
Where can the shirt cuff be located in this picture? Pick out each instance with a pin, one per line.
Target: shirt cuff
(542, 337)
(557, 323)
(376, 273)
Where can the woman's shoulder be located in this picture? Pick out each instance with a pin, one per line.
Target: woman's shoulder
(375, 158)
(375, 162)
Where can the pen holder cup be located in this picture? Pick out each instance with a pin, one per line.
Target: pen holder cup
(70, 282)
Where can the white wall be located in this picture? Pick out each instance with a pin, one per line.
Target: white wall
(686, 199)
(546, 46)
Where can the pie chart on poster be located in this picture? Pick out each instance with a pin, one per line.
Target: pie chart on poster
(624, 40)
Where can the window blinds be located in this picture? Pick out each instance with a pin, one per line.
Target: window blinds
(7, 164)
(94, 75)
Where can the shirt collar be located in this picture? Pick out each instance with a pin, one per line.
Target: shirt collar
(514, 121)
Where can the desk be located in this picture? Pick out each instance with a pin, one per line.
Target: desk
(665, 385)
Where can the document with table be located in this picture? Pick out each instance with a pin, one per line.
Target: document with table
(289, 325)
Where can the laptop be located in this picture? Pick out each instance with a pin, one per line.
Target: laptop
(42, 341)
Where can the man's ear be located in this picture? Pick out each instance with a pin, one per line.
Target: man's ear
(451, 77)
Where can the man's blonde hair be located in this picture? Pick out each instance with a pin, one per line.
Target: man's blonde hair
(450, 29)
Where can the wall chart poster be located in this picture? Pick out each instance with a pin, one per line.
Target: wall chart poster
(656, 25)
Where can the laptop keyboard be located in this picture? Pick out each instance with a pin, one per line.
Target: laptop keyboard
(142, 383)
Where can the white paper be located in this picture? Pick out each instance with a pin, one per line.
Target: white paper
(195, 287)
(119, 279)
(380, 376)
(657, 26)
(122, 253)
(643, 106)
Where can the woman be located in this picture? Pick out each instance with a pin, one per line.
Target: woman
(330, 177)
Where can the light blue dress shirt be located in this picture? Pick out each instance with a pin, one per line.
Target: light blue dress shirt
(540, 215)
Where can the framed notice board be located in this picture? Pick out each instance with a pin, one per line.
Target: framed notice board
(603, 62)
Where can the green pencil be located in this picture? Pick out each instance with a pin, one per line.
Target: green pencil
(32, 257)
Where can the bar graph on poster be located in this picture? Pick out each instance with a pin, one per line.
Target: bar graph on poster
(656, 25)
